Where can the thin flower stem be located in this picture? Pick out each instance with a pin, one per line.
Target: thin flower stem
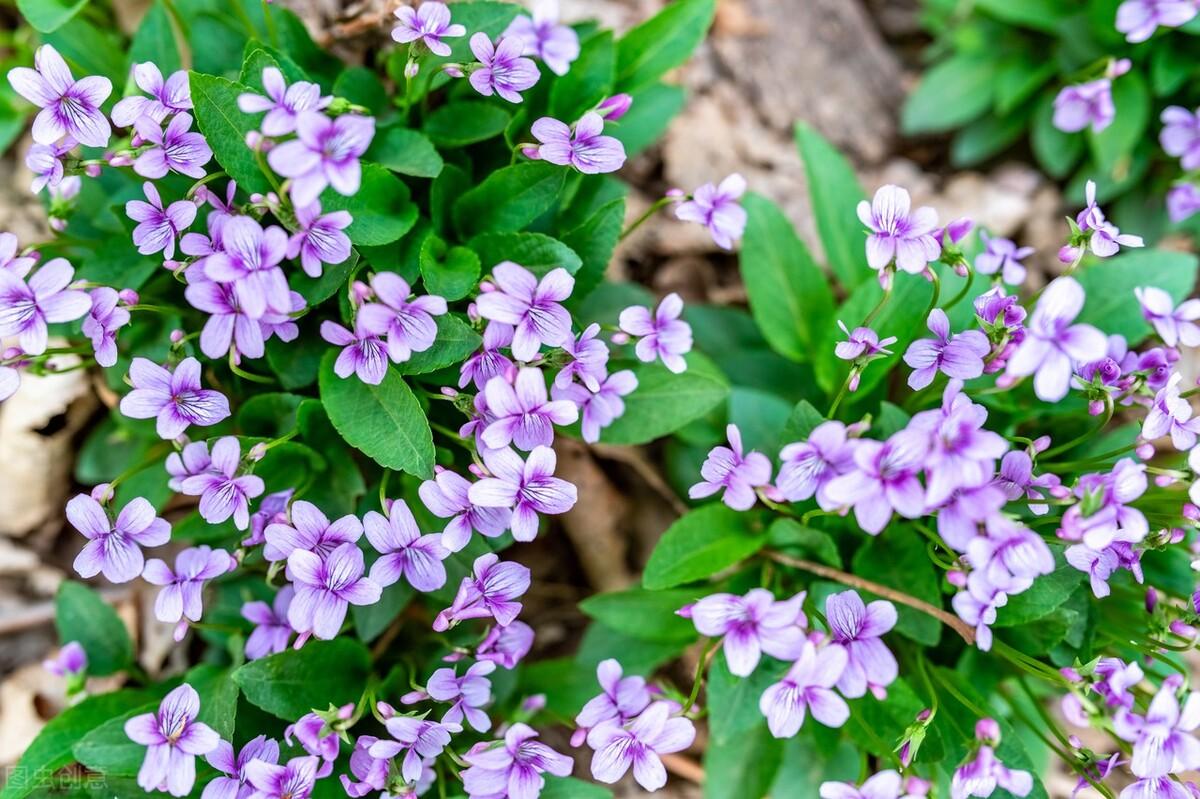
(209, 178)
(240, 372)
(937, 293)
(1028, 664)
(923, 671)
(705, 656)
(963, 291)
(272, 36)
(1063, 754)
(841, 395)
(887, 295)
(957, 694)
(1086, 462)
(244, 18)
(965, 631)
(657, 206)
(383, 484)
(1108, 413)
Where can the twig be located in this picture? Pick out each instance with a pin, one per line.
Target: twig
(683, 767)
(634, 459)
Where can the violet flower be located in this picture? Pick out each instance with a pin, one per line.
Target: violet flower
(513, 767)
(447, 497)
(1098, 565)
(639, 744)
(175, 149)
(533, 307)
(501, 69)
(589, 360)
(102, 323)
(1002, 257)
(750, 626)
(807, 687)
(193, 459)
(27, 307)
(417, 738)
(427, 24)
(528, 487)
(1009, 558)
(979, 612)
(1104, 513)
(957, 356)
(170, 96)
(600, 409)
(158, 228)
(362, 354)
(1138, 19)
(1016, 480)
(1052, 345)
(403, 551)
(490, 360)
(18, 265)
(180, 599)
(620, 700)
(861, 342)
(371, 772)
(232, 782)
(324, 153)
(524, 415)
(1103, 237)
(807, 467)
(717, 208)
(1162, 739)
(961, 453)
(984, 772)
(1173, 325)
(71, 661)
(582, 146)
(884, 479)
(10, 381)
(326, 588)
(1180, 135)
(490, 591)
(506, 645)
(114, 548)
(271, 628)
(1083, 105)
(408, 324)
(175, 399)
(319, 239)
(858, 628)
(283, 104)
(897, 232)
(249, 261)
(886, 784)
(45, 161)
(1171, 414)
(1157, 788)
(227, 325)
(661, 334)
(737, 473)
(542, 36)
(69, 107)
(295, 780)
(1183, 200)
(223, 492)
(309, 529)
(468, 694)
(317, 739)
(174, 738)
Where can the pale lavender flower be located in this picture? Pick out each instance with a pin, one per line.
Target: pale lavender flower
(175, 149)
(717, 208)
(175, 399)
(600, 409)
(1162, 739)
(501, 69)
(661, 334)
(158, 228)
(114, 548)
(961, 453)
(615, 106)
(417, 738)
(1157, 788)
(271, 628)
(295, 780)
(10, 381)
(589, 360)
(861, 342)
(319, 239)
(10, 261)
(489, 361)
(170, 96)
(408, 324)
(249, 262)
(884, 478)
(1171, 414)
(283, 104)
(1016, 480)
(528, 487)
(102, 323)
(1183, 200)
(1110, 516)
(317, 738)
(227, 325)
(69, 107)
(232, 782)
(1002, 257)
(524, 416)
(1115, 680)
(959, 517)
(980, 613)
(751, 625)
(403, 551)
(542, 36)
(490, 591)
(807, 687)
(324, 153)
(180, 599)
(582, 146)
(899, 233)
(737, 473)
(362, 353)
(193, 459)
(309, 529)
(1008, 558)
(447, 497)
(506, 645)
(984, 772)
(326, 588)
(639, 744)
(513, 768)
(1138, 19)
(807, 466)
(1173, 325)
(27, 307)
(45, 162)
(883, 785)
(1099, 565)
(1083, 105)
(1052, 345)
(371, 772)
(468, 694)
(1104, 238)
(174, 738)
(620, 700)
(533, 307)
(428, 24)
(957, 356)
(223, 492)
(71, 661)
(271, 510)
(995, 307)
(1180, 135)
(858, 628)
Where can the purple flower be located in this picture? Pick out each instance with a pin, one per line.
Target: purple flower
(861, 342)
(102, 323)
(468, 693)
(957, 356)
(1180, 135)
(514, 767)
(600, 409)
(174, 398)
(858, 628)
(1173, 325)
(372, 772)
(589, 359)
(175, 149)
(718, 209)
(170, 96)
(249, 262)
(983, 773)
(158, 228)
(728, 468)
(417, 738)
(807, 687)
(232, 783)
(1115, 680)
(897, 232)
(326, 588)
(490, 360)
(27, 307)
(1098, 565)
(271, 628)
(1138, 19)
(229, 327)
(884, 785)
(620, 700)
(223, 493)
(309, 530)
(1157, 787)
(114, 548)
(320, 239)
(751, 625)
(523, 414)
(1171, 414)
(1104, 513)
(807, 467)
(324, 153)
(661, 334)
(1016, 480)
(1052, 345)
(960, 454)
(639, 744)
(1103, 237)
(447, 497)
(10, 261)
(995, 307)
(959, 517)
(283, 104)
(557, 45)
(408, 324)
(45, 162)
(1009, 558)
(292, 781)
(317, 738)
(362, 353)
(10, 381)
(404, 552)
(192, 460)
(1086, 104)
(501, 68)
(1183, 200)
(428, 24)
(528, 487)
(491, 591)
(71, 661)
(532, 307)
(614, 106)
(506, 645)
(884, 478)
(181, 597)
(584, 147)
(174, 738)
(1162, 743)
(69, 107)
(1002, 257)
(980, 613)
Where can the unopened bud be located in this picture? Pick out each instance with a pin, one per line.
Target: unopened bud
(92, 170)
(58, 224)
(385, 710)
(1191, 512)
(1151, 599)
(257, 452)
(447, 391)
(1096, 407)
(531, 151)
(1164, 480)
(102, 493)
(619, 338)
(453, 70)
(615, 107)
(177, 336)
(1182, 629)
(346, 711)
(128, 296)
(120, 159)
(1145, 451)
(1069, 254)
(956, 578)
(412, 69)
(987, 730)
(534, 704)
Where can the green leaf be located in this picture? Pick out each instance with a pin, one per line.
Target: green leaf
(806, 765)
(450, 272)
(759, 415)
(664, 401)
(1113, 146)
(733, 701)
(536, 252)
(269, 415)
(835, 193)
(744, 767)
(647, 119)
(81, 615)
(1018, 79)
(661, 43)
(455, 341)
(49, 15)
(381, 207)
(1042, 15)
(362, 86)
(108, 750)
(408, 152)
(638, 613)
(789, 534)
(788, 294)
(986, 137)
(225, 127)
(701, 543)
(509, 198)
(594, 241)
(571, 788)
(385, 422)
(258, 57)
(952, 93)
(371, 620)
(803, 420)
(465, 122)
(1057, 152)
(316, 290)
(588, 82)
(218, 697)
(155, 40)
(1045, 596)
(1111, 304)
(292, 683)
(897, 559)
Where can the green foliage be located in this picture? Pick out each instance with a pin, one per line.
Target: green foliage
(291, 684)
(664, 401)
(661, 43)
(225, 127)
(1111, 304)
(82, 615)
(701, 543)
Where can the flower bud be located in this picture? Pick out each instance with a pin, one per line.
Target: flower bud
(385, 710)
(1096, 407)
(1191, 512)
(957, 578)
(533, 704)
(1117, 67)
(128, 296)
(988, 731)
(412, 69)
(346, 711)
(102, 493)
(1151, 599)
(1145, 451)
(177, 336)
(57, 224)
(620, 338)
(614, 107)
(1163, 480)
(120, 159)
(1183, 629)
(254, 140)
(915, 786)
(257, 452)
(453, 70)
(447, 391)
(92, 170)
(531, 151)
(675, 194)
(1069, 254)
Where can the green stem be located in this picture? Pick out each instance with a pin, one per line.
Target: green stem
(271, 34)
(962, 292)
(383, 483)
(937, 293)
(657, 206)
(242, 373)
(887, 295)
(841, 395)
(240, 12)
(709, 648)
(1107, 417)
